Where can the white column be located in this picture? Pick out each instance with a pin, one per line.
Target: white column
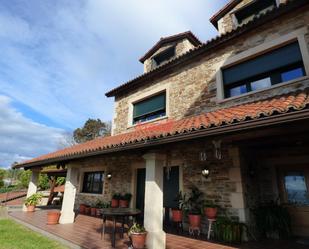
(153, 212)
(67, 209)
(32, 187)
(238, 197)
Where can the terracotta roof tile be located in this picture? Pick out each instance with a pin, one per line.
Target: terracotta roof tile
(277, 105)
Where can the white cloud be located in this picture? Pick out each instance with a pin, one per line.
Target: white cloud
(60, 57)
(21, 138)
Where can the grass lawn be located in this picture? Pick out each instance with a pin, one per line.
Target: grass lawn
(16, 236)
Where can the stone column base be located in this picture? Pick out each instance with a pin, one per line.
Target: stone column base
(67, 217)
(156, 240)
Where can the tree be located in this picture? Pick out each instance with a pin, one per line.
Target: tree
(92, 129)
(2, 176)
(66, 140)
(24, 178)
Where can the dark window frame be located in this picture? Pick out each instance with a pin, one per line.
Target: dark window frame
(275, 74)
(253, 9)
(89, 184)
(164, 56)
(150, 115)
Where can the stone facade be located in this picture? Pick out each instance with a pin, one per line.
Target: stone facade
(193, 88)
(180, 48)
(222, 187)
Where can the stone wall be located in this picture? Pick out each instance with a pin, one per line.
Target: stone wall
(193, 88)
(180, 48)
(223, 187)
(120, 168)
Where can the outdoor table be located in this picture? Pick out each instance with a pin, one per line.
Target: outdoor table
(115, 213)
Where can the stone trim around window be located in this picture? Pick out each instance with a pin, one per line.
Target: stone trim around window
(297, 35)
(146, 95)
(81, 180)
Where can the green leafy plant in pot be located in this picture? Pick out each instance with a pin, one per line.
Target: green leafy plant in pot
(100, 204)
(138, 236)
(115, 200)
(192, 205)
(177, 212)
(273, 220)
(228, 231)
(32, 201)
(210, 209)
(125, 200)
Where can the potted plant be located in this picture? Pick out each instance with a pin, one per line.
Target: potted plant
(53, 217)
(87, 210)
(177, 212)
(32, 201)
(138, 235)
(210, 209)
(93, 210)
(125, 200)
(193, 206)
(228, 231)
(82, 208)
(115, 200)
(99, 205)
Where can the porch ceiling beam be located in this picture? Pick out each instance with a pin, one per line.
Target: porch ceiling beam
(213, 131)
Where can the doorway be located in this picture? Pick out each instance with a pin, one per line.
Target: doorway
(170, 188)
(294, 190)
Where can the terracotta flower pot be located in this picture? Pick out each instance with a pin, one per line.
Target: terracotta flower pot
(138, 240)
(30, 208)
(211, 213)
(87, 210)
(115, 203)
(195, 220)
(123, 203)
(177, 215)
(82, 208)
(53, 217)
(93, 211)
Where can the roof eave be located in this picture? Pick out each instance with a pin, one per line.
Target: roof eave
(214, 131)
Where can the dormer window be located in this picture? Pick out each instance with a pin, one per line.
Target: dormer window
(248, 12)
(149, 108)
(164, 56)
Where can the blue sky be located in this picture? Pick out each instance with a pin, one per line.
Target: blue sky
(59, 57)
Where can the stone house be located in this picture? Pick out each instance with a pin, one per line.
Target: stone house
(236, 105)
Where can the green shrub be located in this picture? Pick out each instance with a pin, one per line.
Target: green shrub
(273, 220)
(43, 181)
(228, 231)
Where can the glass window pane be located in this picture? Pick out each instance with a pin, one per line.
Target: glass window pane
(235, 91)
(297, 192)
(260, 84)
(292, 74)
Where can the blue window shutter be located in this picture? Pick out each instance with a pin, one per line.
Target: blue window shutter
(150, 105)
(273, 60)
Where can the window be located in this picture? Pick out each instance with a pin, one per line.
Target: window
(296, 188)
(280, 65)
(165, 55)
(257, 7)
(93, 182)
(150, 108)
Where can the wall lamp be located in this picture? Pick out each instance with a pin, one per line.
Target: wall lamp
(205, 172)
(109, 176)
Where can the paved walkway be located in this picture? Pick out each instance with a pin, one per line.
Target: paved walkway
(85, 233)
